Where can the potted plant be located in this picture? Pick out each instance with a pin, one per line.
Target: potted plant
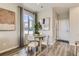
(37, 27)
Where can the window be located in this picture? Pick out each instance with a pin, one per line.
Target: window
(28, 22)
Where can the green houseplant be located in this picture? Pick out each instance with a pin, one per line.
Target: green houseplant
(37, 27)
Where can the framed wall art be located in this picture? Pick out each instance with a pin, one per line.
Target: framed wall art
(45, 23)
(7, 20)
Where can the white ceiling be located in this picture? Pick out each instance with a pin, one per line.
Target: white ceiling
(62, 10)
(36, 7)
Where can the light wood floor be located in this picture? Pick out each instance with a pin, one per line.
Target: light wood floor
(58, 49)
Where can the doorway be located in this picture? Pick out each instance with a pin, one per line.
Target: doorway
(63, 29)
(61, 23)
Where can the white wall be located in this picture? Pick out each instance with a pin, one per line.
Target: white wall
(74, 24)
(48, 13)
(9, 39)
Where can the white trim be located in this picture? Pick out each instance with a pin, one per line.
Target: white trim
(8, 49)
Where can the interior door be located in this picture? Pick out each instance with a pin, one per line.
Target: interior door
(64, 29)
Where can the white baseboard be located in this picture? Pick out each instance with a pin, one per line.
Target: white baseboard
(8, 49)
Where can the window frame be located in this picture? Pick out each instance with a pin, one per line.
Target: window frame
(33, 16)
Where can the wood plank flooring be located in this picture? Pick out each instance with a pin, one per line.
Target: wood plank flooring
(58, 49)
